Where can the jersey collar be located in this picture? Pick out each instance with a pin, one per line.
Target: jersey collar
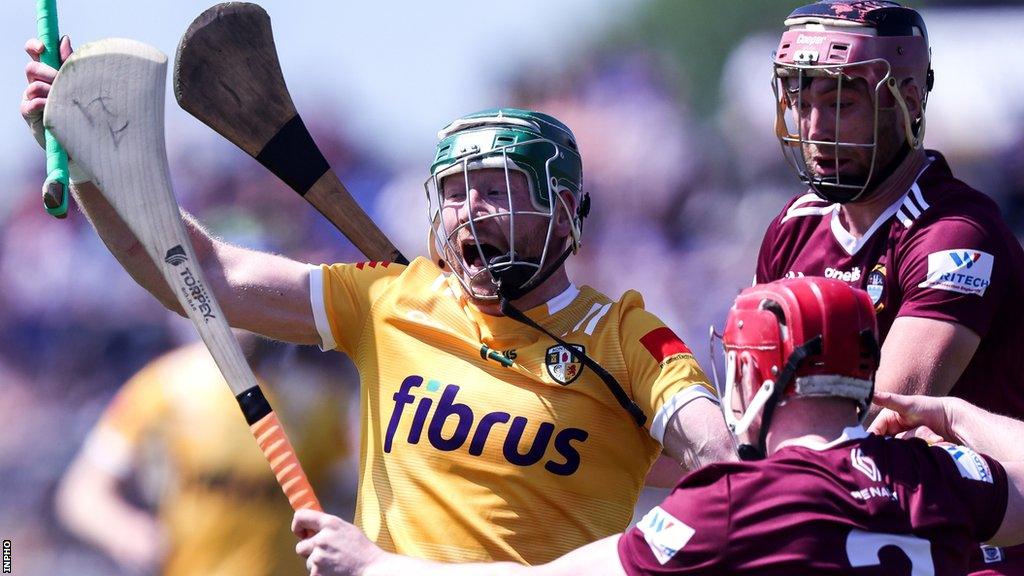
(849, 433)
(499, 330)
(904, 179)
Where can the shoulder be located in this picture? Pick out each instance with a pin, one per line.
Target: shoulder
(639, 324)
(800, 216)
(805, 206)
(938, 199)
(373, 275)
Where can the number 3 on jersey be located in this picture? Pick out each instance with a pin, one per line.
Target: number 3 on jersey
(862, 549)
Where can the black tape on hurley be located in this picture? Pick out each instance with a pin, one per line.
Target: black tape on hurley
(293, 156)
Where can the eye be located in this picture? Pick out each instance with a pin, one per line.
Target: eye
(454, 194)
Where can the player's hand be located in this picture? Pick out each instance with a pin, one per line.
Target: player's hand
(331, 546)
(40, 78)
(911, 413)
(33, 100)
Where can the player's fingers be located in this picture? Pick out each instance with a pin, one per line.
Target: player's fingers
(33, 47)
(65, 48)
(887, 423)
(304, 521)
(38, 71)
(32, 107)
(908, 407)
(305, 547)
(307, 522)
(37, 89)
(928, 435)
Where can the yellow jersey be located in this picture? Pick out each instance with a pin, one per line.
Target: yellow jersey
(464, 459)
(221, 508)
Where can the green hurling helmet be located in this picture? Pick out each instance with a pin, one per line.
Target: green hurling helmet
(539, 146)
(526, 137)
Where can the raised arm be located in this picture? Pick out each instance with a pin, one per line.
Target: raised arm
(259, 292)
(958, 421)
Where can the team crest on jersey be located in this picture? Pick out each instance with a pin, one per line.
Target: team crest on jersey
(563, 365)
(876, 286)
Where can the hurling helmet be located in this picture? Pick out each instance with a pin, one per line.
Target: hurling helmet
(806, 336)
(533, 143)
(883, 43)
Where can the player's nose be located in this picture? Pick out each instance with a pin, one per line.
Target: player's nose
(820, 123)
(477, 204)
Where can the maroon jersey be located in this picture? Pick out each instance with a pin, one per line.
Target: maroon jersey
(941, 251)
(864, 505)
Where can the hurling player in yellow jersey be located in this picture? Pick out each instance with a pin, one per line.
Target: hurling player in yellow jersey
(507, 414)
(216, 510)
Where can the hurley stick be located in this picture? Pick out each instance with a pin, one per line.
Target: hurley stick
(107, 107)
(227, 75)
(55, 188)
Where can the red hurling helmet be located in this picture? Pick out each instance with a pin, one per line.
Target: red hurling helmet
(804, 336)
(882, 43)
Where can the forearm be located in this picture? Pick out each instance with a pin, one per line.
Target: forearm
(923, 356)
(262, 293)
(998, 436)
(697, 436)
(123, 244)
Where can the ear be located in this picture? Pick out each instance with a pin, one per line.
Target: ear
(565, 210)
(914, 98)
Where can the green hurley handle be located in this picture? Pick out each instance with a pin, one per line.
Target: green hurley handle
(55, 189)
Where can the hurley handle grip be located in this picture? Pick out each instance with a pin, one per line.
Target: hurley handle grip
(55, 188)
(278, 450)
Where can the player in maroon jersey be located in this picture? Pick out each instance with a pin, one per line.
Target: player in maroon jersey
(829, 498)
(882, 213)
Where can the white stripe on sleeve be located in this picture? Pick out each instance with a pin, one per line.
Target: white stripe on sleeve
(674, 404)
(316, 301)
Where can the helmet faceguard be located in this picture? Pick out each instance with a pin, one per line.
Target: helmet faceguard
(810, 337)
(533, 144)
(883, 44)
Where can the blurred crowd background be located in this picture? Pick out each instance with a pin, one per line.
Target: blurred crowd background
(673, 110)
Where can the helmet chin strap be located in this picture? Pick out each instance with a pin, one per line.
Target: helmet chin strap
(758, 452)
(510, 288)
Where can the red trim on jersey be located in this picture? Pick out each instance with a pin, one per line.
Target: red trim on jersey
(359, 265)
(662, 343)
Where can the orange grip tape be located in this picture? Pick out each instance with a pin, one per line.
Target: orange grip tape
(279, 452)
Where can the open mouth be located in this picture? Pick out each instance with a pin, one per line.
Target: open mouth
(471, 254)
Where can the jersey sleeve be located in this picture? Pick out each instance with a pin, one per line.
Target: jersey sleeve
(979, 483)
(138, 408)
(687, 533)
(663, 374)
(765, 271)
(954, 270)
(342, 296)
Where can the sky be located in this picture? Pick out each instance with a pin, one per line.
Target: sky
(395, 72)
